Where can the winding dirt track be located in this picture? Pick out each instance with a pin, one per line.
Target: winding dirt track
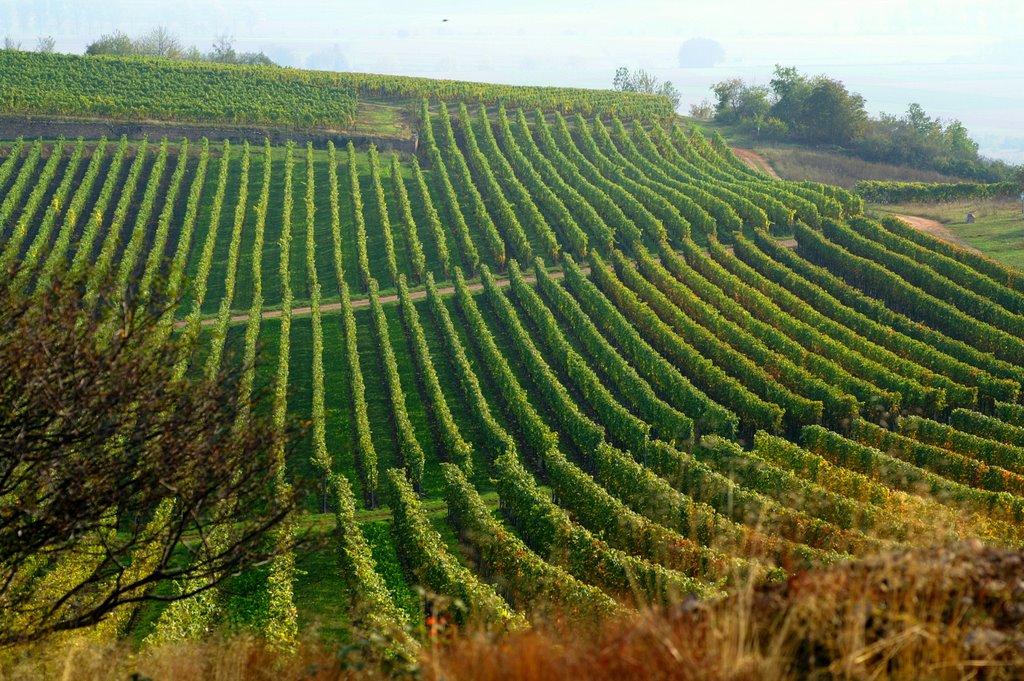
(755, 161)
(926, 225)
(935, 229)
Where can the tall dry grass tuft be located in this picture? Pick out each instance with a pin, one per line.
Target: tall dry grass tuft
(948, 613)
(239, 658)
(794, 163)
(955, 211)
(951, 612)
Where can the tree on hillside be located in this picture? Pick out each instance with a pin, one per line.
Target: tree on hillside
(702, 110)
(736, 100)
(160, 42)
(117, 43)
(832, 114)
(920, 140)
(790, 90)
(224, 52)
(821, 111)
(46, 44)
(959, 141)
(116, 477)
(646, 83)
(727, 99)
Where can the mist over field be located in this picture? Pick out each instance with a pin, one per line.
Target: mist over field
(958, 60)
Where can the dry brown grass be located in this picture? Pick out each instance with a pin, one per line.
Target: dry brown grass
(956, 211)
(954, 612)
(239, 658)
(797, 164)
(949, 613)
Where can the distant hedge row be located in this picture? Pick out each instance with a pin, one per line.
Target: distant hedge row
(902, 192)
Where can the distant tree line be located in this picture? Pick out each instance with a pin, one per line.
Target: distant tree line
(45, 43)
(160, 42)
(821, 111)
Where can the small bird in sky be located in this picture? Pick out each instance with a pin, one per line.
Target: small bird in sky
(443, 20)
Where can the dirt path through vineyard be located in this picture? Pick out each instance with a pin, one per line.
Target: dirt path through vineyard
(362, 301)
(390, 298)
(755, 161)
(926, 225)
(936, 229)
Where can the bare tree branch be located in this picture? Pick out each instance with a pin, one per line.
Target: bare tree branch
(105, 458)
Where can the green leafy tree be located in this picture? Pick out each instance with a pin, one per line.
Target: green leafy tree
(767, 127)
(959, 142)
(727, 99)
(790, 90)
(116, 43)
(839, 116)
(160, 42)
(753, 102)
(918, 139)
(819, 110)
(645, 83)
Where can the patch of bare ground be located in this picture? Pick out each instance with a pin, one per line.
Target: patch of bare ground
(389, 298)
(755, 161)
(935, 229)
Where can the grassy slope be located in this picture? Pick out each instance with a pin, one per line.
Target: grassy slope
(998, 230)
(800, 163)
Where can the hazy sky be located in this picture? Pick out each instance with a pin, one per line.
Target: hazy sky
(957, 59)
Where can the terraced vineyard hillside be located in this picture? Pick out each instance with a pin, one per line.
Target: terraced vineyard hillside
(553, 366)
